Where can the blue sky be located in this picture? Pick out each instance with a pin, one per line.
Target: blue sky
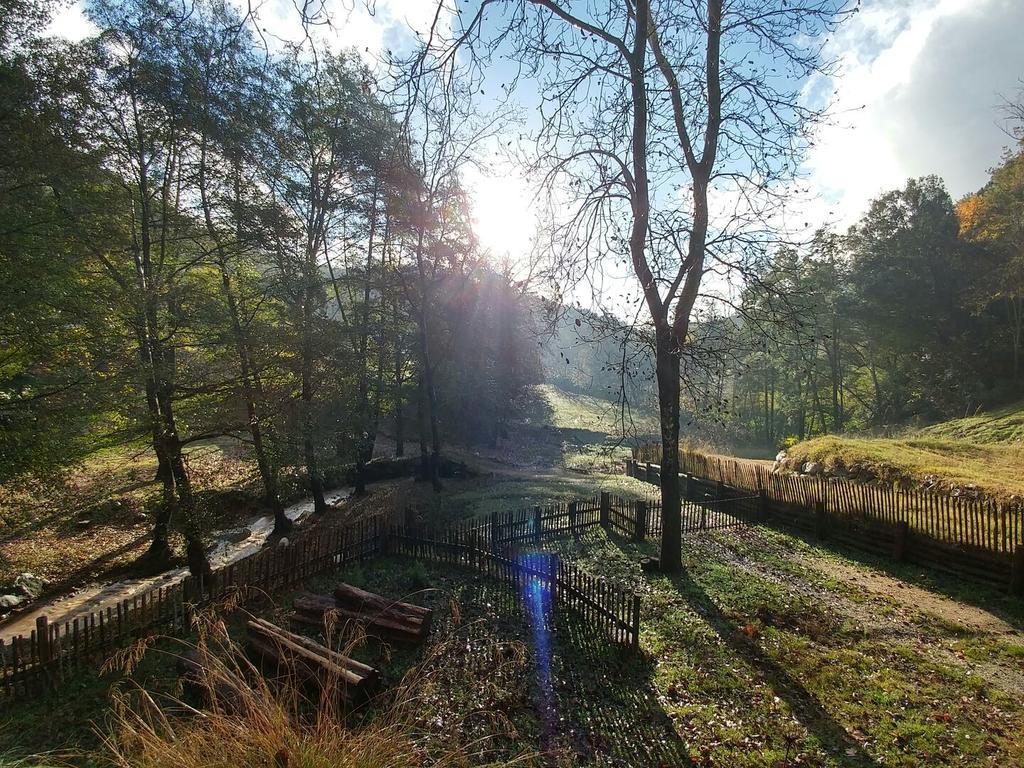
(919, 92)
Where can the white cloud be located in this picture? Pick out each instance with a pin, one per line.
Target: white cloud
(918, 95)
(369, 26)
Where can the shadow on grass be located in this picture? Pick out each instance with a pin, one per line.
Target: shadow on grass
(999, 603)
(804, 704)
(608, 705)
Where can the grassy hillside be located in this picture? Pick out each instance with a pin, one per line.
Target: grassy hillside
(985, 451)
(1005, 425)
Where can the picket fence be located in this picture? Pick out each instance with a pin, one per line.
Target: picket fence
(982, 539)
(36, 664)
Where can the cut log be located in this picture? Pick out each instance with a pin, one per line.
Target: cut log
(310, 611)
(361, 601)
(309, 661)
(369, 674)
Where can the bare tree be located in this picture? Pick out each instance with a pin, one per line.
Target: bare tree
(670, 131)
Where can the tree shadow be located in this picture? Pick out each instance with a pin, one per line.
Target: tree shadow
(986, 597)
(609, 707)
(805, 705)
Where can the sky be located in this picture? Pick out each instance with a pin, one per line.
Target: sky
(919, 90)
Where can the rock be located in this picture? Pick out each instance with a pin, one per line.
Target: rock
(29, 585)
(813, 468)
(780, 456)
(284, 542)
(10, 602)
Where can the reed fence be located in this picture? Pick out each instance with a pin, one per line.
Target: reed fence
(979, 538)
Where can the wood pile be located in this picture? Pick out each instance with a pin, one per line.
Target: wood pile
(310, 661)
(379, 617)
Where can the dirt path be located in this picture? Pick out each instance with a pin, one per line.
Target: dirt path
(229, 546)
(967, 616)
(889, 609)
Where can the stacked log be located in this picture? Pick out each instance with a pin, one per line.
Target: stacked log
(379, 617)
(311, 662)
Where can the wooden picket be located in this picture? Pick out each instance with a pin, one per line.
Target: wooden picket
(981, 538)
(34, 664)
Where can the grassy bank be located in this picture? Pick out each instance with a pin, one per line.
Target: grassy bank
(995, 469)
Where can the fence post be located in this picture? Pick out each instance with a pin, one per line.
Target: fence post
(606, 509)
(648, 472)
(762, 505)
(537, 523)
(553, 577)
(640, 529)
(630, 471)
(635, 629)
(899, 542)
(573, 520)
(1017, 572)
(820, 521)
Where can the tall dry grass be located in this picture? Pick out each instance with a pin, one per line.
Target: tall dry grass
(250, 720)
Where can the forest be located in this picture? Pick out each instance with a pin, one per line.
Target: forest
(398, 382)
(203, 239)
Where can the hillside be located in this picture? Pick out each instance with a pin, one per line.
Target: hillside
(982, 453)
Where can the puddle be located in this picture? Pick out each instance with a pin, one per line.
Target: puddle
(228, 547)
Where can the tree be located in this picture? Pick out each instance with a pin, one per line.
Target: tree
(148, 261)
(994, 218)
(650, 96)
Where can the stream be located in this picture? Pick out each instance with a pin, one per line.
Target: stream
(228, 547)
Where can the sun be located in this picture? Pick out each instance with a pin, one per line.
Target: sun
(504, 214)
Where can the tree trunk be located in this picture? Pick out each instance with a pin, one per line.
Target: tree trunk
(399, 416)
(667, 367)
(316, 484)
(428, 397)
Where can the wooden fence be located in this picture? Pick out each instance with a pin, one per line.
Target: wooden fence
(33, 664)
(491, 549)
(979, 538)
(36, 663)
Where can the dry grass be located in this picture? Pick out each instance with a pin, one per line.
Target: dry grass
(250, 720)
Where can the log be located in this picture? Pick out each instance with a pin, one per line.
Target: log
(370, 675)
(310, 610)
(360, 600)
(193, 666)
(320, 665)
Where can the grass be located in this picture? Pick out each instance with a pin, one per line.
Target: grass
(1004, 425)
(764, 652)
(570, 410)
(94, 520)
(996, 469)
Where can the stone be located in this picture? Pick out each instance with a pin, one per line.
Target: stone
(283, 542)
(780, 456)
(29, 585)
(650, 565)
(813, 468)
(10, 602)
